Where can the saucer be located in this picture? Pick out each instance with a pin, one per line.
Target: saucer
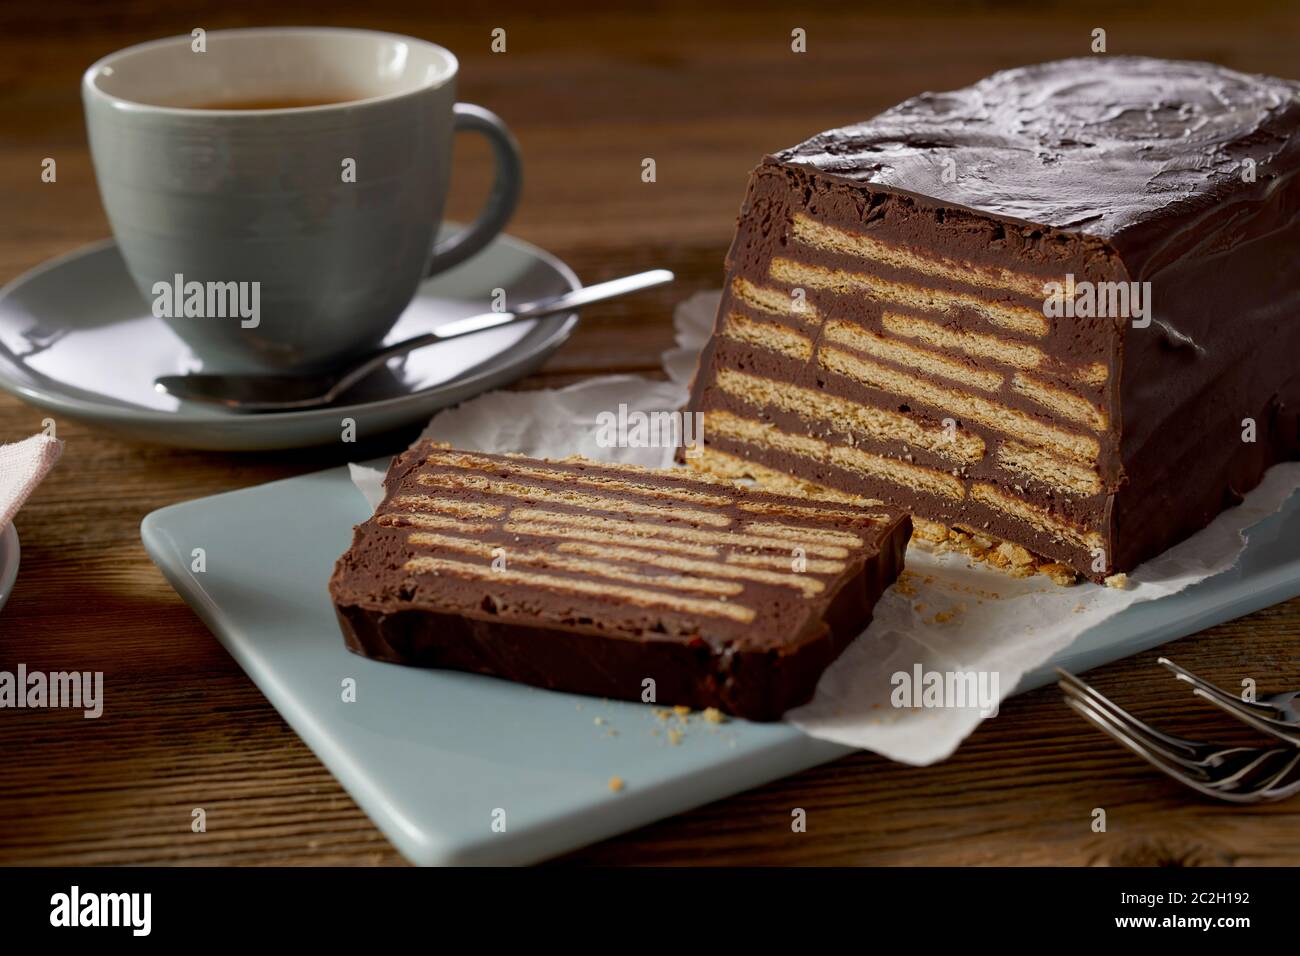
(76, 338)
(8, 561)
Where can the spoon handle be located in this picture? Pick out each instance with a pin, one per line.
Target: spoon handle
(559, 303)
(493, 320)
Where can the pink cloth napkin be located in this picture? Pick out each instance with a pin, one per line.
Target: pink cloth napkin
(23, 465)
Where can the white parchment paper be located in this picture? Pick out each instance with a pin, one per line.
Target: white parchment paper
(945, 614)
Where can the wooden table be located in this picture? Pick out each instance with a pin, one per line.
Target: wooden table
(590, 94)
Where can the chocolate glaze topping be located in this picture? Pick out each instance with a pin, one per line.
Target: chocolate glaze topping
(1114, 147)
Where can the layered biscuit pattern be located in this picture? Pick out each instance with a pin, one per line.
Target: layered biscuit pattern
(605, 534)
(858, 363)
(470, 554)
(614, 531)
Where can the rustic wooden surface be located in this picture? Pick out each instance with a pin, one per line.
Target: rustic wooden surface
(590, 94)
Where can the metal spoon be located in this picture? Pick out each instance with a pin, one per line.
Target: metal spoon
(273, 393)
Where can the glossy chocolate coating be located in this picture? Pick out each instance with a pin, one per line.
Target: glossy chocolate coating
(1114, 147)
(1116, 169)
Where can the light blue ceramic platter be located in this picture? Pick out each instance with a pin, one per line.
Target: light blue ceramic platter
(435, 757)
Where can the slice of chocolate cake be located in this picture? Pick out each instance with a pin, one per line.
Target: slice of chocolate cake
(612, 580)
(1059, 309)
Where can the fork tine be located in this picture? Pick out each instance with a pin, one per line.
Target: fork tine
(1108, 726)
(1070, 683)
(1270, 787)
(1123, 720)
(1263, 756)
(1270, 727)
(1155, 740)
(1200, 683)
(1099, 720)
(1281, 793)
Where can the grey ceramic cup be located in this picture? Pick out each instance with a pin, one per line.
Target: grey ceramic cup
(256, 204)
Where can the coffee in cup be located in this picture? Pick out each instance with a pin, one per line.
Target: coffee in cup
(276, 194)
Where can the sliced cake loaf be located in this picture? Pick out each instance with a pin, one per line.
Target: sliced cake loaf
(612, 580)
(1055, 314)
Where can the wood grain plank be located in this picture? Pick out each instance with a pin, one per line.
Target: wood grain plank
(590, 93)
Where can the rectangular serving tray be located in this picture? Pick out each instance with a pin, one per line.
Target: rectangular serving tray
(462, 769)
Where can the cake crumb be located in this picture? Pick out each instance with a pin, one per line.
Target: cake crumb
(616, 784)
(1118, 581)
(675, 736)
(681, 710)
(1060, 574)
(1005, 556)
(713, 715)
(1014, 554)
(943, 617)
(599, 721)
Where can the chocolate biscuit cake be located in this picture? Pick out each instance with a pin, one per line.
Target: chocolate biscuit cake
(598, 579)
(1058, 310)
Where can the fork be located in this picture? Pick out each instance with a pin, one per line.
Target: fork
(1189, 754)
(1278, 715)
(1234, 774)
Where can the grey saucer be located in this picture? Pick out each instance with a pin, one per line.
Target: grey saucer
(8, 561)
(77, 339)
